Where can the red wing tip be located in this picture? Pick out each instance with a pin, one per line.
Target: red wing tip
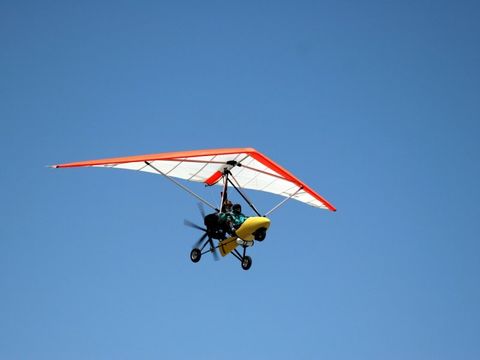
(331, 208)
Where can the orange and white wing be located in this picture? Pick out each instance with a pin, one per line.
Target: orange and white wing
(250, 168)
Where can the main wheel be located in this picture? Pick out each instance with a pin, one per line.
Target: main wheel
(246, 262)
(195, 255)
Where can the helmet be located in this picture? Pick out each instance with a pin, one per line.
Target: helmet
(237, 208)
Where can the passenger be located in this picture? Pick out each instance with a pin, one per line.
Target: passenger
(225, 217)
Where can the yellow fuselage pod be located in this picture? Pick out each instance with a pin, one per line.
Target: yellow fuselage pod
(252, 224)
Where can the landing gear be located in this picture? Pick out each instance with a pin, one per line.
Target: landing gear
(246, 262)
(244, 259)
(195, 255)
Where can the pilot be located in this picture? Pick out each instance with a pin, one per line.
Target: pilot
(237, 217)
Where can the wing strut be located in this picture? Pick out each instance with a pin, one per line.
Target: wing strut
(284, 201)
(182, 187)
(224, 193)
(241, 193)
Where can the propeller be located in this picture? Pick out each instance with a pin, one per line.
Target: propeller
(201, 209)
(202, 238)
(199, 241)
(193, 225)
(214, 251)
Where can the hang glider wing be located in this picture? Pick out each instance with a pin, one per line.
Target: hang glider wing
(250, 168)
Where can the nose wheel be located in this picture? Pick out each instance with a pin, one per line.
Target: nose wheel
(246, 262)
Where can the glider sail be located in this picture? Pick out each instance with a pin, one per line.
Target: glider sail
(249, 168)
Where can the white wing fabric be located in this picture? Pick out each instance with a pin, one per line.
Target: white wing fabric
(250, 168)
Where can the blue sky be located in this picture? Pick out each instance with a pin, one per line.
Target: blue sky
(374, 104)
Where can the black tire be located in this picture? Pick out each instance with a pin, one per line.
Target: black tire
(195, 255)
(246, 262)
(260, 234)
